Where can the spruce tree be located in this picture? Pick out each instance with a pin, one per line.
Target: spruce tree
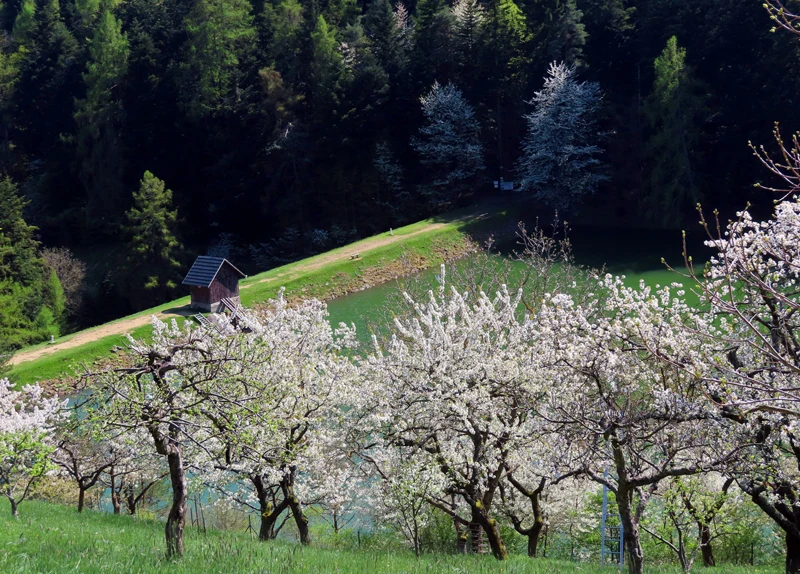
(154, 266)
(48, 80)
(672, 110)
(220, 37)
(99, 117)
(327, 73)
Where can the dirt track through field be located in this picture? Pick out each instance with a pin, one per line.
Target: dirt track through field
(128, 325)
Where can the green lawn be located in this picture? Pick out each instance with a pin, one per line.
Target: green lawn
(48, 538)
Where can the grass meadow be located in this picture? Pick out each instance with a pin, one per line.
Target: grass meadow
(50, 538)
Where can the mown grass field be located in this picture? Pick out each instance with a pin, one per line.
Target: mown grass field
(49, 538)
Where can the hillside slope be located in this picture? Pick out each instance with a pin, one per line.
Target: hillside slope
(332, 274)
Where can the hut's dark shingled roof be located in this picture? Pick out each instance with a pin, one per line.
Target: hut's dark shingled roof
(204, 270)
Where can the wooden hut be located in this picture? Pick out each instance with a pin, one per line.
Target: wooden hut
(212, 279)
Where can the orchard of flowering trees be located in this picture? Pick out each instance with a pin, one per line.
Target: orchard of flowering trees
(510, 406)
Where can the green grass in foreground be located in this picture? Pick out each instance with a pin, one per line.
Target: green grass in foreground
(49, 538)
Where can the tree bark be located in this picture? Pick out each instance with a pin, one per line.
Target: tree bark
(115, 502)
(476, 538)
(633, 543)
(489, 526)
(533, 538)
(14, 507)
(706, 551)
(461, 537)
(792, 554)
(176, 520)
(300, 519)
(269, 513)
(130, 501)
(81, 497)
(168, 445)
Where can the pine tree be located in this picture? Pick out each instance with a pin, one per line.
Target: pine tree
(44, 93)
(327, 73)
(559, 163)
(99, 117)
(24, 22)
(220, 34)
(449, 142)
(432, 57)
(672, 109)
(386, 38)
(567, 37)
(155, 250)
(283, 26)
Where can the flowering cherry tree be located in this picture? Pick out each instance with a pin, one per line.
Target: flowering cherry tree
(631, 419)
(136, 470)
(277, 431)
(451, 391)
(751, 370)
(81, 457)
(172, 391)
(27, 420)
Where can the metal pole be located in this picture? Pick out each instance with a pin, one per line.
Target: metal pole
(603, 525)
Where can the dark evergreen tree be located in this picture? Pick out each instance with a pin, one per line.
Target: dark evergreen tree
(154, 264)
(672, 109)
(100, 117)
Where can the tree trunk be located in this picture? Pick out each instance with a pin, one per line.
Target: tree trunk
(533, 538)
(115, 502)
(300, 519)
(476, 538)
(130, 502)
(489, 526)
(792, 554)
(633, 543)
(81, 497)
(269, 513)
(706, 550)
(461, 537)
(176, 520)
(14, 507)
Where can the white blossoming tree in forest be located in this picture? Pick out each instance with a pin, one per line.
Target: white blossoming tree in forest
(630, 421)
(27, 420)
(560, 162)
(449, 142)
(451, 392)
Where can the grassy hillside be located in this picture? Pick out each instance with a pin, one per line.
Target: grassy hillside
(331, 274)
(51, 539)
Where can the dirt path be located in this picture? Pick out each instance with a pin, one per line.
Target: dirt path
(83, 337)
(127, 325)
